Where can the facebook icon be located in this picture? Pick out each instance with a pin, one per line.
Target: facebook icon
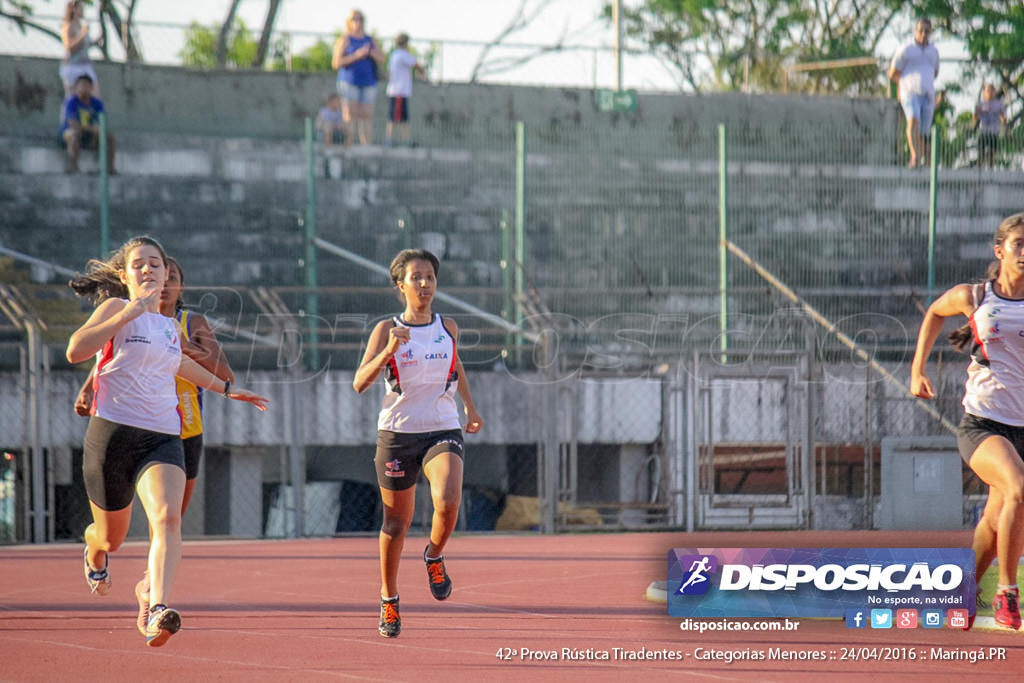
(855, 618)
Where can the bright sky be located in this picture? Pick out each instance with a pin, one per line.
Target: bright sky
(447, 21)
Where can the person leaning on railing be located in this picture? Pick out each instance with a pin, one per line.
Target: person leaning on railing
(990, 118)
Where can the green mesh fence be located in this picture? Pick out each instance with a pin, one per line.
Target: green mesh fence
(620, 264)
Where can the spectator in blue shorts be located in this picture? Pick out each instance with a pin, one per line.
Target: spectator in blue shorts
(914, 68)
(401, 66)
(80, 125)
(356, 57)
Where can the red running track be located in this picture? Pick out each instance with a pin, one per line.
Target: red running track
(307, 611)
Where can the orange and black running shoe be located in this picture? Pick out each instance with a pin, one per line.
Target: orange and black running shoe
(438, 579)
(390, 622)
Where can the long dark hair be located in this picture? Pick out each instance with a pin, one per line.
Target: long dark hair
(962, 337)
(102, 279)
(180, 302)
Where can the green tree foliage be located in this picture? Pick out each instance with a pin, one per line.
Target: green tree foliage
(200, 48)
(993, 32)
(315, 58)
(746, 44)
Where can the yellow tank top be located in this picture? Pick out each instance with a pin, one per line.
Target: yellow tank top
(190, 402)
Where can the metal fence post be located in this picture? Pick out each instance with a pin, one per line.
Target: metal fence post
(550, 446)
(38, 465)
(723, 236)
(104, 190)
(296, 449)
(808, 470)
(508, 298)
(933, 177)
(519, 253)
(312, 302)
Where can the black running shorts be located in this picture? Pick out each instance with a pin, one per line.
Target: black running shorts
(973, 430)
(193, 446)
(115, 454)
(401, 456)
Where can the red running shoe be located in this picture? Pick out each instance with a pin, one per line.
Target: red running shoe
(1006, 606)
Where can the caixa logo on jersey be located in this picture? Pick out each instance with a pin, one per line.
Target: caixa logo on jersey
(816, 582)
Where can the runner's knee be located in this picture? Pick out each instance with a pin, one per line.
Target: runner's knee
(446, 501)
(166, 519)
(395, 526)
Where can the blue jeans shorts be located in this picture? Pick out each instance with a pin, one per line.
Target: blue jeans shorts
(920, 107)
(367, 94)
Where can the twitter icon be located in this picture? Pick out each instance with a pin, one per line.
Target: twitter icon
(881, 618)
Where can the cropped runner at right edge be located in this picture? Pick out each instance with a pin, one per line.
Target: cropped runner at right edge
(991, 434)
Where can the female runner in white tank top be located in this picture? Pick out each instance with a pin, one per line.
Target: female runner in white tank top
(133, 442)
(418, 427)
(199, 343)
(991, 434)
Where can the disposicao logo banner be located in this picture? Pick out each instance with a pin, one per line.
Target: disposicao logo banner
(816, 582)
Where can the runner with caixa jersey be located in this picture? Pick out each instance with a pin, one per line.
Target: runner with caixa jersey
(418, 427)
(991, 434)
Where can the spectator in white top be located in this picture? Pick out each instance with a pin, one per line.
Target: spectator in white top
(990, 117)
(914, 68)
(401, 66)
(74, 34)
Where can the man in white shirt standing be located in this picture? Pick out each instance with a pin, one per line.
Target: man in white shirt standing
(401, 65)
(914, 68)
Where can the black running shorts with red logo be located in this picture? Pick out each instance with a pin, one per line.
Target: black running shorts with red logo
(400, 456)
(115, 454)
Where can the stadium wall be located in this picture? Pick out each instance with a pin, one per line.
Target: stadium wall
(157, 99)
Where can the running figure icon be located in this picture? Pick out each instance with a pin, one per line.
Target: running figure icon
(698, 570)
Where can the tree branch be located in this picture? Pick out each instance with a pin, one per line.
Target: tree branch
(123, 30)
(520, 20)
(24, 22)
(268, 28)
(222, 37)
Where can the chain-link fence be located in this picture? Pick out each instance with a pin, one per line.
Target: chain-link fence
(633, 372)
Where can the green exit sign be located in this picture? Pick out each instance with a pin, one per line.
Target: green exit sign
(615, 100)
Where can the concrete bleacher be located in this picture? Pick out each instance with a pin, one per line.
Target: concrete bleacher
(232, 210)
(617, 203)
